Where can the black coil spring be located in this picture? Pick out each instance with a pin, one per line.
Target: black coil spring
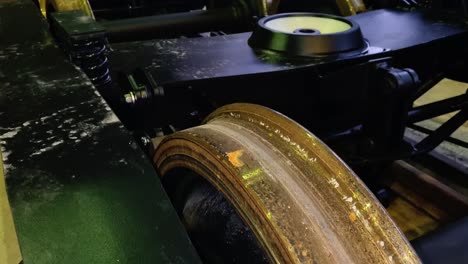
(90, 56)
(417, 3)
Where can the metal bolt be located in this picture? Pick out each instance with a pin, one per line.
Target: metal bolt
(133, 97)
(130, 98)
(145, 141)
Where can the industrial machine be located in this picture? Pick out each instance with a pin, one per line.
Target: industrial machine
(233, 131)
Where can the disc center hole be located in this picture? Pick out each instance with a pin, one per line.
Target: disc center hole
(308, 31)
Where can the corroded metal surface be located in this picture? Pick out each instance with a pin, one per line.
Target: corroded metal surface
(301, 201)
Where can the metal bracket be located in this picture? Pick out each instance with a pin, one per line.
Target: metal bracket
(389, 111)
(143, 88)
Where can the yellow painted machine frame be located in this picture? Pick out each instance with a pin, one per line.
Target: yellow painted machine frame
(347, 7)
(267, 7)
(351, 7)
(65, 5)
(9, 246)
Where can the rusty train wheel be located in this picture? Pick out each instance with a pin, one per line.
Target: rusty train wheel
(300, 201)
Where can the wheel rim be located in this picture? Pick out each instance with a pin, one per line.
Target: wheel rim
(303, 204)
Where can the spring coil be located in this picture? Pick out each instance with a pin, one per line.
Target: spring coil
(416, 3)
(90, 56)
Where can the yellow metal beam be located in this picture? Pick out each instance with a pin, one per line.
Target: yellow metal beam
(65, 5)
(267, 7)
(9, 246)
(351, 7)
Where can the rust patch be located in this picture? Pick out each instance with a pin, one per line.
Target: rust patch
(234, 158)
(352, 217)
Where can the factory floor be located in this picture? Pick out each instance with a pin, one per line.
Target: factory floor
(418, 211)
(452, 154)
(441, 176)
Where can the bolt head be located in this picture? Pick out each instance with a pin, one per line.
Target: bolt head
(130, 98)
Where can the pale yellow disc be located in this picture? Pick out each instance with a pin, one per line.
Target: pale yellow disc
(322, 24)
